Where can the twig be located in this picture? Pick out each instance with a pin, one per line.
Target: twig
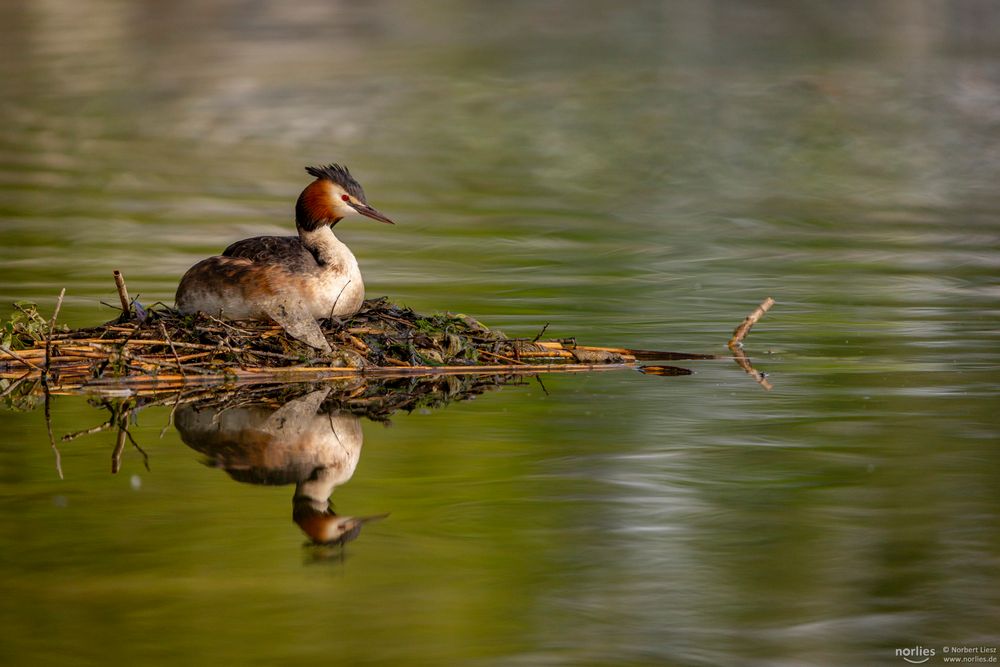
(48, 339)
(19, 357)
(227, 325)
(239, 359)
(736, 344)
(122, 293)
(52, 440)
(116, 455)
(15, 384)
(398, 320)
(514, 362)
(744, 328)
(143, 341)
(166, 336)
(540, 333)
(89, 431)
(274, 355)
(741, 359)
(145, 456)
(166, 363)
(122, 352)
(170, 417)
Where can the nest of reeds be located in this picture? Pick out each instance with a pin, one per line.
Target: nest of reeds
(159, 345)
(158, 348)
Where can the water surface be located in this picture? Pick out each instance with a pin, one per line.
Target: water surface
(637, 176)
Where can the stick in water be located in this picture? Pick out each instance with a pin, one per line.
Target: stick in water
(116, 455)
(52, 440)
(122, 292)
(744, 328)
(48, 339)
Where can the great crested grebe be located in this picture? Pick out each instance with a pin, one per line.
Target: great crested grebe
(293, 280)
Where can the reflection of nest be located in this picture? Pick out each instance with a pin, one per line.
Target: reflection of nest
(374, 398)
(370, 397)
(378, 400)
(263, 434)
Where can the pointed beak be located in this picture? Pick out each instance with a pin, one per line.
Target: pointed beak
(369, 212)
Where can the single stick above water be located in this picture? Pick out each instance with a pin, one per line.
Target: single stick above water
(744, 328)
(48, 339)
(122, 291)
(736, 343)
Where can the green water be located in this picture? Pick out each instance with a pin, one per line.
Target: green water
(637, 175)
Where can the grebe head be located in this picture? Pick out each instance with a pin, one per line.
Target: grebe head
(334, 195)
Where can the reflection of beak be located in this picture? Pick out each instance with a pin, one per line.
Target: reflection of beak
(369, 212)
(329, 528)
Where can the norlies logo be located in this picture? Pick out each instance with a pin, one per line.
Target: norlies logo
(917, 655)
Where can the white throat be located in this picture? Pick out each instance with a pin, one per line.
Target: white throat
(327, 247)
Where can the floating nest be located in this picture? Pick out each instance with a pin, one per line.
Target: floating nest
(160, 348)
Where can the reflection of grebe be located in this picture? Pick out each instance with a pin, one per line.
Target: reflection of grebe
(293, 444)
(293, 280)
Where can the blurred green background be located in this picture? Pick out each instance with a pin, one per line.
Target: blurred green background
(638, 174)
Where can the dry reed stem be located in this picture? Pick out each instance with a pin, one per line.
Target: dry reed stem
(122, 292)
(508, 360)
(15, 355)
(545, 354)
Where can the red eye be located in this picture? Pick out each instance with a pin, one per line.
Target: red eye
(345, 198)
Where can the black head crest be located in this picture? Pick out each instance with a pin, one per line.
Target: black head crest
(341, 176)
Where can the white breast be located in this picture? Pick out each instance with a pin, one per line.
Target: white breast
(337, 287)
